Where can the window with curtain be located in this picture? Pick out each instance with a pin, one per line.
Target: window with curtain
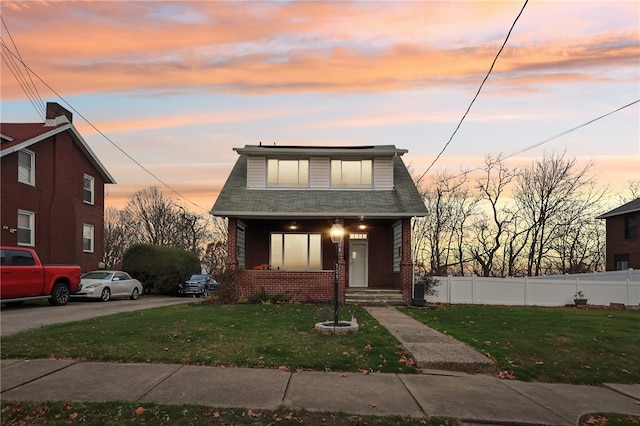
(295, 251)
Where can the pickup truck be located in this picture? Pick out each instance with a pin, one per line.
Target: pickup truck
(24, 277)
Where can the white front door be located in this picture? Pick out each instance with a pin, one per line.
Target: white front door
(358, 264)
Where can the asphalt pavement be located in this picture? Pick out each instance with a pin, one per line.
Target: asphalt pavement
(471, 397)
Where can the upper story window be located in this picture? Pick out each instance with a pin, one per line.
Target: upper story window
(351, 172)
(287, 172)
(87, 191)
(26, 228)
(630, 228)
(27, 167)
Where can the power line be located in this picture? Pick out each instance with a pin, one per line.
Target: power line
(535, 145)
(556, 136)
(477, 93)
(166, 185)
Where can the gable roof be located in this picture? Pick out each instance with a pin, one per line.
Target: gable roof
(17, 136)
(630, 207)
(235, 200)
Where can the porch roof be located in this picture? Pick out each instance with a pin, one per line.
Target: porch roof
(235, 200)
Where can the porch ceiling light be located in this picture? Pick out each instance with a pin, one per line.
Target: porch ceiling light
(337, 231)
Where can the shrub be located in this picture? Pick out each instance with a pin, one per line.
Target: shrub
(160, 268)
(227, 279)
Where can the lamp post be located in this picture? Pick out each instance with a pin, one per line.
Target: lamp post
(337, 231)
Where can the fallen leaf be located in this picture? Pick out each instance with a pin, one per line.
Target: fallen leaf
(140, 410)
(539, 363)
(283, 368)
(252, 414)
(73, 416)
(365, 372)
(372, 405)
(345, 353)
(367, 348)
(216, 414)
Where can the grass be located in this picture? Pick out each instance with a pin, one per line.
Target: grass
(582, 346)
(269, 336)
(124, 413)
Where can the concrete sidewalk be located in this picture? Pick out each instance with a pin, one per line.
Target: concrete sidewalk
(473, 398)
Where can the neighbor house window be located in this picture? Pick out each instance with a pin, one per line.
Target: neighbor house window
(287, 172)
(630, 228)
(87, 190)
(26, 228)
(621, 262)
(87, 238)
(351, 172)
(27, 167)
(296, 251)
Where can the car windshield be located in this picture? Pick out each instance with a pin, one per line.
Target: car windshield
(98, 275)
(198, 277)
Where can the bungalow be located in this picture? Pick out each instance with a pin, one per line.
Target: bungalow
(282, 201)
(623, 239)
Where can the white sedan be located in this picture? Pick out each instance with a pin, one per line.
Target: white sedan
(106, 285)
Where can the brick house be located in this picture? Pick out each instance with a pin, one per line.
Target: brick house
(623, 239)
(52, 190)
(282, 201)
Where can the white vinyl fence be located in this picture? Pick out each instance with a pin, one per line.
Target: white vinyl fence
(528, 291)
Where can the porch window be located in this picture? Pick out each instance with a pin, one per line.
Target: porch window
(295, 251)
(351, 172)
(287, 172)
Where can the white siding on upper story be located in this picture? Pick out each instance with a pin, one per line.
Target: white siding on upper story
(383, 173)
(256, 172)
(319, 172)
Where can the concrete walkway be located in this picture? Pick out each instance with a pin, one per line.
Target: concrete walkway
(473, 398)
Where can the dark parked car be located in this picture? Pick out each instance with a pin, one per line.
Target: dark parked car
(198, 285)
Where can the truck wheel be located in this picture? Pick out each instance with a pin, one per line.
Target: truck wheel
(134, 294)
(106, 294)
(60, 294)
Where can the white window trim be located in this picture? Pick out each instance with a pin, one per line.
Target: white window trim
(32, 228)
(32, 171)
(343, 185)
(282, 261)
(85, 227)
(93, 192)
(279, 185)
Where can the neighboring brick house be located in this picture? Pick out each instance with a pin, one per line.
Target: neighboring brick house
(623, 236)
(52, 190)
(281, 202)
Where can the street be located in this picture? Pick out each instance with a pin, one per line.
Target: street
(39, 314)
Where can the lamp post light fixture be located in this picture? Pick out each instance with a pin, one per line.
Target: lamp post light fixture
(337, 232)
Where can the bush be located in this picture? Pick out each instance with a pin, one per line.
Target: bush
(227, 279)
(160, 268)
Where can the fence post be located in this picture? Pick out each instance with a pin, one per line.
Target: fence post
(473, 289)
(628, 302)
(526, 282)
(449, 284)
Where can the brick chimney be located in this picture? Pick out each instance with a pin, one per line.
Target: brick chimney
(55, 110)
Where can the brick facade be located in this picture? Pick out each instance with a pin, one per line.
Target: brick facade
(618, 245)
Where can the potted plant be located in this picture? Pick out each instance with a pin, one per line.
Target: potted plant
(579, 298)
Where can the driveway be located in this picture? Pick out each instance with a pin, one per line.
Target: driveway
(39, 314)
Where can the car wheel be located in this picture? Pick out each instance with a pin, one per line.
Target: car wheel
(106, 294)
(134, 294)
(60, 294)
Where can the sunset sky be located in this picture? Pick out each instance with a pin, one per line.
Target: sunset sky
(178, 85)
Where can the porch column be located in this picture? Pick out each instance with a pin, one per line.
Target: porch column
(232, 244)
(406, 263)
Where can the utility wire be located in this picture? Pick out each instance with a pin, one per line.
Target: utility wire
(566, 132)
(477, 93)
(535, 145)
(166, 185)
(32, 91)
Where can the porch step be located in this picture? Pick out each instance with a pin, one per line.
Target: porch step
(373, 296)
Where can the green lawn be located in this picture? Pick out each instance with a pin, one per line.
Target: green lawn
(588, 346)
(271, 336)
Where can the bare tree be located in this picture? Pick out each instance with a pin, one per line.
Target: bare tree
(552, 193)
(438, 237)
(490, 229)
(116, 237)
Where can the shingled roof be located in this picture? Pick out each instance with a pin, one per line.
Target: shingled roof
(235, 200)
(630, 207)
